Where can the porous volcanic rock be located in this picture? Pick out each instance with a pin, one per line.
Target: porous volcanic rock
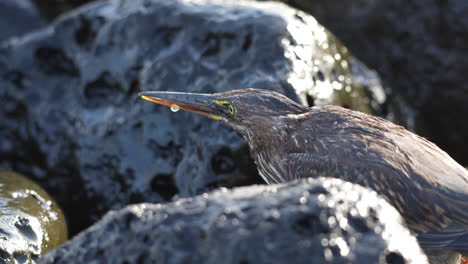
(312, 221)
(71, 119)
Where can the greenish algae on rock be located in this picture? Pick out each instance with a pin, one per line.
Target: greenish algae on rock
(31, 222)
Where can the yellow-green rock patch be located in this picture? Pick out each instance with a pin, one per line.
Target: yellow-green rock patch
(31, 223)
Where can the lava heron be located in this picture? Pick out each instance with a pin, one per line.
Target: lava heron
(289, 141)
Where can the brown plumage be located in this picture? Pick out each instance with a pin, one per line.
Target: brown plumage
(289, 141)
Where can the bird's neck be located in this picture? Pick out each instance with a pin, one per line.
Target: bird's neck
(270, 133)
(265, 142)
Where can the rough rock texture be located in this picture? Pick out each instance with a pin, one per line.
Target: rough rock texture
(31, 223)
(72, 121)
(313, 221)
(18, 17)
(419, 48)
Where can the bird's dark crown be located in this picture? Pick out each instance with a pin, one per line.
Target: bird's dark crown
(255, 104)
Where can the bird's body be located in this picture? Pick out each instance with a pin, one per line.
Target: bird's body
(289, 141)
(369, 151)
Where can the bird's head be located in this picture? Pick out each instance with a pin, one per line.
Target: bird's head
(244, 110)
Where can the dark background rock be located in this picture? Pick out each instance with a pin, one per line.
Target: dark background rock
(420, 49)
(71, 119)
(53, 8)
(313, 221)
(18, 17)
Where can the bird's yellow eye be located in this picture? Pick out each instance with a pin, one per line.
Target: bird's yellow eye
(231, 109)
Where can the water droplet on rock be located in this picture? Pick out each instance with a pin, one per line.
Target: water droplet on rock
(303, 200)
(174, 108)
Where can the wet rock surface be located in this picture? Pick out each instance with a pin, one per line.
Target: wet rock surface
(31, 223)
(71, 118)
(313, 221)
(18, 17)
(419, 48)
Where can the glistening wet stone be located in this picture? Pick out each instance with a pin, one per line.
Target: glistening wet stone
(300, 222)
(31, 223)
(71, 117)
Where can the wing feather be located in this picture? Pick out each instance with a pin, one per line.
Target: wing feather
(423, 182)
(448, 238)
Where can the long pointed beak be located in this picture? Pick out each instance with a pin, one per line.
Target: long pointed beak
(195, 102)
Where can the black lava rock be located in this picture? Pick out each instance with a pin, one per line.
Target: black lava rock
(18, 17)
(312, 221)
(419, 48)
(71, 119)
